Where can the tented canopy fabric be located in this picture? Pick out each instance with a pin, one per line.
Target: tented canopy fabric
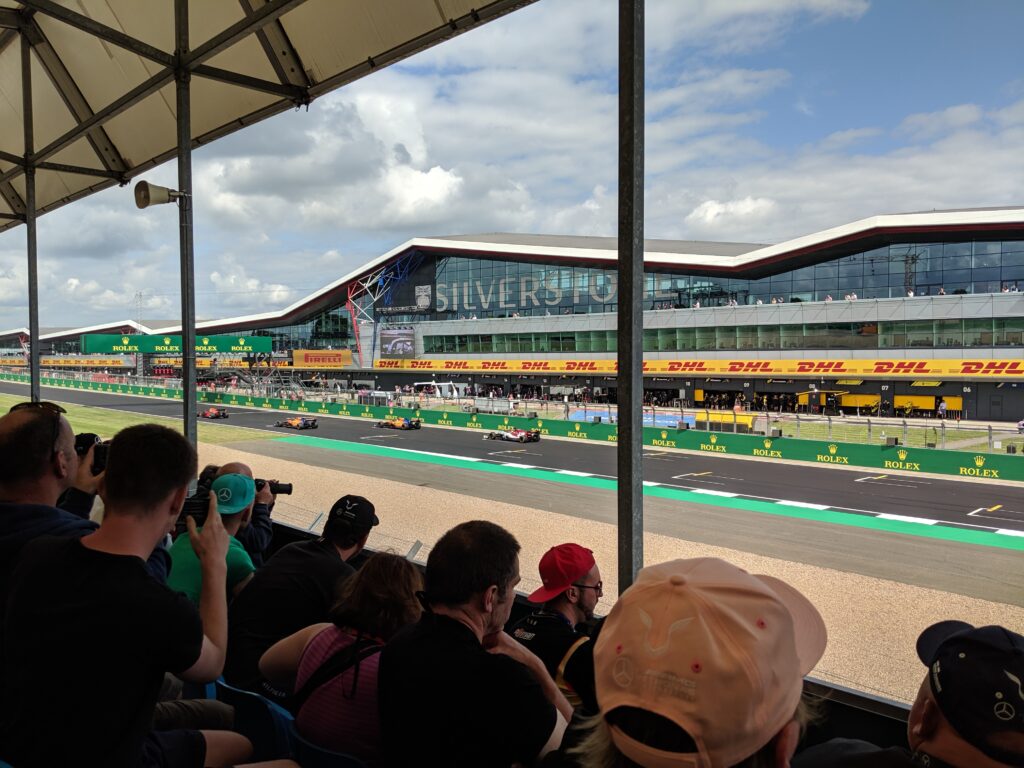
(103, 75)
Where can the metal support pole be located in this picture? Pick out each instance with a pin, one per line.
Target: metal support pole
(30, 220)
(631, 280)
(185, 245)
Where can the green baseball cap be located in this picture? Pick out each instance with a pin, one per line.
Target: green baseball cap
(234, 493)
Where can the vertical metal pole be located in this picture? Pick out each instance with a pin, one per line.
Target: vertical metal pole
(631, 280)
(30, 220)
(187, 266)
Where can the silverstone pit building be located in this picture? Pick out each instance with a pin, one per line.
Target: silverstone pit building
(889, 314)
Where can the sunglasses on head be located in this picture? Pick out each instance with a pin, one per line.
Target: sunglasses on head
(43, 405)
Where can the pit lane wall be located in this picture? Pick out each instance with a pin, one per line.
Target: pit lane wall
(993, 467)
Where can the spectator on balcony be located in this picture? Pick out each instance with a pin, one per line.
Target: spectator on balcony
(942, 291)
(455, 689)
(667, 670)
(235, 494)
(81, 678)
(828, 298)
(37, 453)
(295, 589)
(570, 588)
(332, 667)
(969, 711)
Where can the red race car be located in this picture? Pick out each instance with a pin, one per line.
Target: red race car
(213, 412)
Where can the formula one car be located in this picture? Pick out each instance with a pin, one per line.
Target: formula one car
(213, 412)
(399, 422)
(297, 422)
(515, 435)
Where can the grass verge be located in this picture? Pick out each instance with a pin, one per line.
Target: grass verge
(107, 423)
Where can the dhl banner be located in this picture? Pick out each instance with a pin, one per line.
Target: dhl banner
(222, 362)
(72, 362)
(885, 369)
(321, 358)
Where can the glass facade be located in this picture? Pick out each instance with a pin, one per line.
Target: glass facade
(474, 287)
(943, 334)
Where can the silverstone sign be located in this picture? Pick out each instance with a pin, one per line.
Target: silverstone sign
(130, 344)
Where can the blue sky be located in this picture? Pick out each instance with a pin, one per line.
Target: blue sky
(767, 119)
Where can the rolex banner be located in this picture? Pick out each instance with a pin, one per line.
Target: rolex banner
(130, 344)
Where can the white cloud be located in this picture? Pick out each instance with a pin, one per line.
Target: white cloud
(929, 125)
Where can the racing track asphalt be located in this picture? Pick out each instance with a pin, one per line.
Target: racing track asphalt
(968, 504)
(718, 518)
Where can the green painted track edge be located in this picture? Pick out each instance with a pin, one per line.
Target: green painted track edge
(941, 532)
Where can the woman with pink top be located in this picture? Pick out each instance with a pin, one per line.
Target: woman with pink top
(332, 667)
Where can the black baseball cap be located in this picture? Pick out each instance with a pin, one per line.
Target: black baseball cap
(976, 675)
(350, 513)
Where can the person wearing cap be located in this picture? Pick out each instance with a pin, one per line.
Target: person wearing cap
(81, 677)
(455, 689)
(295, 589)
(257, 534)
(235, 495)
(700, 663)
(570, 588)
(969, 710)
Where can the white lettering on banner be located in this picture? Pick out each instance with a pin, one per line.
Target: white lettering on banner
(554, 292)
(466, 303)
(502, 304)
(523, 293)
(442, 297)
(485, 301)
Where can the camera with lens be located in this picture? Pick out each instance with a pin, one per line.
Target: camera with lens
(198, 503)
(86, 440)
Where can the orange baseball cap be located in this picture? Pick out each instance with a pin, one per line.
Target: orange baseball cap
(718, 651)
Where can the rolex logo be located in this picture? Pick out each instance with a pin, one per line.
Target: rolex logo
(539, 423)
(832, 448)
(505, 420)
(473, 417)
(767, 443)
(391, 411)
(979, 461)
(714, 439)
(241, 342)
(125, 339)
(664, 434)
(206, 341)
(167, 339)
(576, 427)
(902, 454)
(444, 415)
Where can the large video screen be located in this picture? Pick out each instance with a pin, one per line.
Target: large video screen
(397, 342)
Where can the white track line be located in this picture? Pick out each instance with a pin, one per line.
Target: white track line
(907, 519)
(574, 474)
(804, 504)
(1008, 532)
(710, 492)
(518, 466)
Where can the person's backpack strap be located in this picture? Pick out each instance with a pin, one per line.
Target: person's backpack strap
(348, 657)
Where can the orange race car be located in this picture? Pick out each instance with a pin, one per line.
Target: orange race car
(297, 422)
(399, 422)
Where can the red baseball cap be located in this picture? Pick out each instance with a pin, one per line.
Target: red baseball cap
(559, 568)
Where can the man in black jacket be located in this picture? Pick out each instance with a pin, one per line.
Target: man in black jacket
(37, 454)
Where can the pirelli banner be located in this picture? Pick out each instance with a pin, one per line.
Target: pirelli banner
(1010, 370)
(321, 359)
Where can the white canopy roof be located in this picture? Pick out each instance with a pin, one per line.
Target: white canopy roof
(102, 75)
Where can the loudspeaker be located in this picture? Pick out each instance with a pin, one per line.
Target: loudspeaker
(775, 433)
(147, 194)
(891, 441)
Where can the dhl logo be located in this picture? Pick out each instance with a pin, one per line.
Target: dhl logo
(494, 365)
(572, 365)
(750, 366)
(821, 366)
(456, 365)
(901, 367)
(389, 363)
(418, 363)
(974, 368)
(532, 365)
(685, 366)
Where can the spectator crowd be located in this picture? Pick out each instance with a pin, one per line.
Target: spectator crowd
(105, 623)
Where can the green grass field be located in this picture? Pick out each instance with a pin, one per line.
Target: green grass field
(106, 423)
